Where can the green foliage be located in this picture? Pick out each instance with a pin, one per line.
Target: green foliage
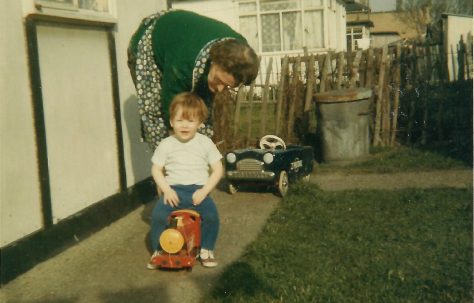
(358, 246)
(444, 113)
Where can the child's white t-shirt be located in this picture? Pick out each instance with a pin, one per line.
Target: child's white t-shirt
(186, 163)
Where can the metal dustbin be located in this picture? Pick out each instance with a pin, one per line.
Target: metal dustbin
(343, 124)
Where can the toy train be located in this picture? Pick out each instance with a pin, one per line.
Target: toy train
(181, 241)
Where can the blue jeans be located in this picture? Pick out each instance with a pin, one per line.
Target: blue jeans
(207, 209)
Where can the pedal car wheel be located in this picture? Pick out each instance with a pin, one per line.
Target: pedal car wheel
(283, 183)
(232, 188)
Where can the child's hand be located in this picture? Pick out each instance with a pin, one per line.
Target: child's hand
(171, 198)
(198, 196)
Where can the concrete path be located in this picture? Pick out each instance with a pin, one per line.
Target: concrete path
(110, 265)
(460, 178)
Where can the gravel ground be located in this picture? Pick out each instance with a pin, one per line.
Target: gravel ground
(110, 265)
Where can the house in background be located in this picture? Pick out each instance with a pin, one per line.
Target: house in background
(377, 29)
(389, 27)
(358, 26)
(275, 28)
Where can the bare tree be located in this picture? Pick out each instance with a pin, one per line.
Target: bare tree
(425, 15)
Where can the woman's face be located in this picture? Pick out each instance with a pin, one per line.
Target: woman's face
(219, 80)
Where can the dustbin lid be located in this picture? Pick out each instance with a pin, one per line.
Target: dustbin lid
(343, 95)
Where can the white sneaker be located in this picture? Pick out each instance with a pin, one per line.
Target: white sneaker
(150, 264)
(207, 258)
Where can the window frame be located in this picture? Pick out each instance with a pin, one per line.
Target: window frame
(301, 9)
(351, 33)
(71, 9)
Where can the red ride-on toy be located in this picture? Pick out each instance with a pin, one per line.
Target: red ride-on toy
(181, 242)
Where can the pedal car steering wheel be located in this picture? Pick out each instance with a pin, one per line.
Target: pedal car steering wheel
(272, 142)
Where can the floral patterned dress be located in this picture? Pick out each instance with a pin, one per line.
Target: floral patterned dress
(169, 54)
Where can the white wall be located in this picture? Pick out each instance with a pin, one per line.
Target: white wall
(223, 10)
(454, 27)
(20, 202)
(137, 154)
(384, 39)
(80, 127)
(341, 29)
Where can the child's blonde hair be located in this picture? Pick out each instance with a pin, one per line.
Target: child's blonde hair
(192, 107)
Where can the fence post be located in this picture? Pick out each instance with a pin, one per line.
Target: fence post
(378, 109)
(281, 94)
(340, 69)
(421, 76)
(453, 62)
(240, 97)
(429, 64)
(461, 48)
(293, 99)
(370, 67)
(249, 113)
(355, 69)
(396, 96)
(309, 83)
(326, 69)
(263, 112)
(469, 56)
(386, 100)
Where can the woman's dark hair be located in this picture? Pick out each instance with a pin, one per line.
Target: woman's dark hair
(237, 58)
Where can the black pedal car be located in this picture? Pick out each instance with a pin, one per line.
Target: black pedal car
(275, 164)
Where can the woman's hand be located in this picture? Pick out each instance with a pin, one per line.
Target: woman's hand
(199, 195)
(171, 198)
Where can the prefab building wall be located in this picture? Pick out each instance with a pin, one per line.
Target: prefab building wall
(70, 130)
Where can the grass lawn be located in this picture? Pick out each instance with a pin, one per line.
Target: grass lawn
(358, 246)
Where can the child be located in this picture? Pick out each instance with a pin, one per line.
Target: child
(186, 156)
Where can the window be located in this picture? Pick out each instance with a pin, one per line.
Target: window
(282, 25)
(353, 34)
(94, 5)
(84, 7)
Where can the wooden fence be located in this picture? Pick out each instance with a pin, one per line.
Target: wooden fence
(287, 108)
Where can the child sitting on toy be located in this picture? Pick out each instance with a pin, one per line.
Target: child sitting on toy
(186, 156)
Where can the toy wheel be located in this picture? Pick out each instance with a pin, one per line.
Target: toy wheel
(171, 240)
(232, 188)
(283, 183)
